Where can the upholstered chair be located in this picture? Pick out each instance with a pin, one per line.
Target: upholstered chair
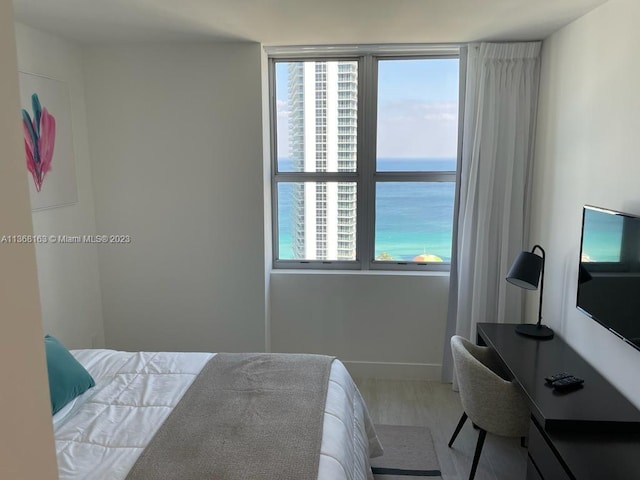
(493, 404)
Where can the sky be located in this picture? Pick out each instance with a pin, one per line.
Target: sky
(417, 108)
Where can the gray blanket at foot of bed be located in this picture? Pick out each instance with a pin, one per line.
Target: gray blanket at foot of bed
(245, 417)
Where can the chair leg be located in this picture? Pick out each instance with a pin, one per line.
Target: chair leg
(476, 456)
(458, 428)
(523, 442)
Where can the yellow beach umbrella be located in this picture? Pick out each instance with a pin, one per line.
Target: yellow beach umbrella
(427, 257)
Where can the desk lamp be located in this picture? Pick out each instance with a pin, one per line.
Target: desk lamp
(526, 271)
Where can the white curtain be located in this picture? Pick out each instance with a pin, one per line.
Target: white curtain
(500, 102)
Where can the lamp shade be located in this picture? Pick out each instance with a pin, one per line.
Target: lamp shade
(525, 271)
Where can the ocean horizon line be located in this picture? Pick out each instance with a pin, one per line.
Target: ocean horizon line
(412, 218)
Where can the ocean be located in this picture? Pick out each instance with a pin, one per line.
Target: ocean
(411, 218)
(603, 237)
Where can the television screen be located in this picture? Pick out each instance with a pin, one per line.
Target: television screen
(609, 273)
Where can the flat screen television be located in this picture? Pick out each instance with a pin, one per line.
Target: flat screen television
(609, 272)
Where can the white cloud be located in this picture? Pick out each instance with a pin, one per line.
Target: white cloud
(417, 129)
(408, 129)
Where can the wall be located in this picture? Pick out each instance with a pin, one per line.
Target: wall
(587, 153)
(381, 324)
(67, 273)
(176, 148)
(26, 434)
(179, 141)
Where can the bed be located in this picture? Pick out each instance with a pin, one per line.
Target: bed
(102, 433)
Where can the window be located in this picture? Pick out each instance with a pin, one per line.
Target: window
(365, 152)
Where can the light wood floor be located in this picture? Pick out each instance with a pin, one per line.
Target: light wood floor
(437, 406)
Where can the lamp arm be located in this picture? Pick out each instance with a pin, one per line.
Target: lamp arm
(541, 283)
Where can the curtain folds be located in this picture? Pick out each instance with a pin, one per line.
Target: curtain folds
(500, 108)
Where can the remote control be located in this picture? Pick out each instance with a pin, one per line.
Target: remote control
(567, 383)
(557, 376)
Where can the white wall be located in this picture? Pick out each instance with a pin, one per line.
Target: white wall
(26, 434)
(176, 148)
(67, 274)
(178, 142)
(587, 153)
(381, 324)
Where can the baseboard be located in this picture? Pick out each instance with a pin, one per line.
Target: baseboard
(394, 371)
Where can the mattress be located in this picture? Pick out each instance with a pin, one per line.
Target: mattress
(101, 434)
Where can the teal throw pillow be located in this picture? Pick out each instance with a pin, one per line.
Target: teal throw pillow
(67, 377)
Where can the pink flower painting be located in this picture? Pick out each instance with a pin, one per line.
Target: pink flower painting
(39, 140)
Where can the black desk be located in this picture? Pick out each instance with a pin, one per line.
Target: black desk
(591, 433)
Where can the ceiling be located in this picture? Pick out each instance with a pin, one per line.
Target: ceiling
(300, 22)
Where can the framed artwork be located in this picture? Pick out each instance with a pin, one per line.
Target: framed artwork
(48, 141)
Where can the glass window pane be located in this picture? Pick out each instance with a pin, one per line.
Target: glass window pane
(417, 115)
(317, 220)
(317, 116)
(414, 221)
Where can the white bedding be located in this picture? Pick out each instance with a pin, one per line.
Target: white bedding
(101, 434)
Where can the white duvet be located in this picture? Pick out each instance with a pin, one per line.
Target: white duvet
(101, 434)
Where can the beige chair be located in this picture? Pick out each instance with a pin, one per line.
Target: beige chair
(493, 404)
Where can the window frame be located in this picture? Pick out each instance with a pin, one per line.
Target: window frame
(366, 177)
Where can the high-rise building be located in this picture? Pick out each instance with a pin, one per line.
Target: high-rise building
(323, 102)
